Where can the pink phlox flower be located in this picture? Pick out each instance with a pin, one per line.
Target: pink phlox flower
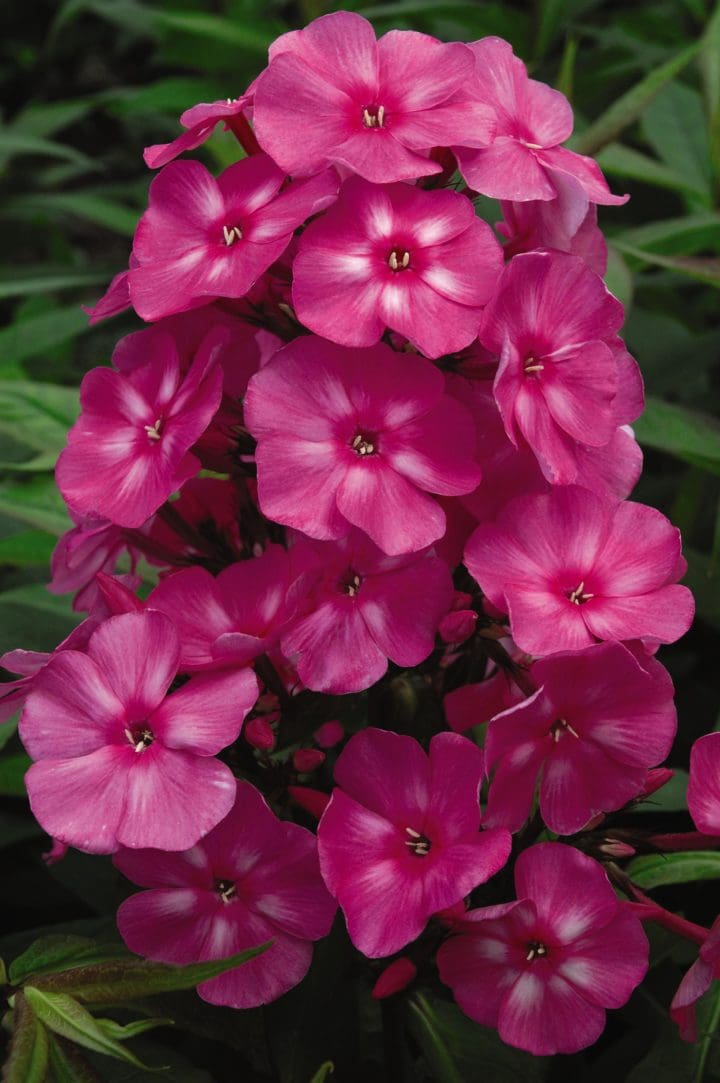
(253, 879)
(332, 94)
(564, 378)
(703, 796)
(568, 224)
(360, 609)
(130, 448)
(92, 546)
(401, 839)
(203, 238)
(525, 160)
(571, 568)
(417, 262)
(231, 619)
(358, 437)
(476, 703)
(115, 300)
(119, 763)
(544, 969)
(596, 724)
(696, 982)
(200, 122)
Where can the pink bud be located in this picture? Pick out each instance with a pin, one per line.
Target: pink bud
(313, 801)
(395, 977)
(452, 916)
(457, 626)
(307, 759)
(259, 733)
(461, 600)
(594, 822)
(616, 848)
(329, 734)
(656, 779)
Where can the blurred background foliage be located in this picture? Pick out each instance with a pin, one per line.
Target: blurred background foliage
(86, 84)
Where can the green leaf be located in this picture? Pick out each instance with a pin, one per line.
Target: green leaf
(426, 1030)
(40, 334)
(64, 1016)
(674, 126)
(703, 578)
(703, 270)
(627, 108)
(708, 1026)
(28, 1059)
(34, 618)
(35, 502)
(30, 281)
(674, 236)
(618, 278)
(68, 1065)
(672, 797)
(115, 982)
(619, 160)
(131, 1030)
(655, 870)
(679, 431)
(13, 143)
(225, 31)
(27, 549)
(324, 1071)
(52, 954)
(12, 774)
(88, 206)
(38, 416)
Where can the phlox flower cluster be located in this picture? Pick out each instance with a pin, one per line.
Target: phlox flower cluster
(372, 454)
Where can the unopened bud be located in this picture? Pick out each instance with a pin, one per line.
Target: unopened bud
(313, 801)
(457, 626)
(259, 733)
(461, 600)
(616, 848)
(654, 781)
(329, 734)
(394, 978)
(307, 759)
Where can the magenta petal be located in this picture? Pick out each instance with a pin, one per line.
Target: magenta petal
(388, 772)
(139, 655)
(82, 801)
(158, 868)
(627, 570)
(170, 924)
(664, 614)
(704, 788)
(570, 890)
(548, 1016)
(173, 798)
(420, 450)
(608, 965)
(456, 771)
(402, 608)
(505, 170)
(695, 984)
(260, 980)
(189, 597)
(333, 650)
(297, 484)
(369, 496)
(207, 713)
(71, 710)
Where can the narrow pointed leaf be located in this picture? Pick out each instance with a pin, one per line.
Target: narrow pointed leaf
(114, 983)
(426, 1031)
(51, 954)
(68, 1065)
(630, 106)
(28, 1059)
(131, 1030)
(64, 1016)
(655, 870)
(704, 270)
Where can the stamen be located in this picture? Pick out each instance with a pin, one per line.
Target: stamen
(399, 259)
(374, 118)
(561, 727)
(536, 951)
(578, 596)
(226, 890)
(140, 740)
(417, 843)
(153, 431)
(531, 365)
(363, 445)
(232, 234)
(353, 586)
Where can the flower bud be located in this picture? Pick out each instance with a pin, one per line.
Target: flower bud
(329, 734)
(307, 759)
(616, 848)
(259, 733)
(457, 626)
(656, 779)
(394, 978)
(313, 801)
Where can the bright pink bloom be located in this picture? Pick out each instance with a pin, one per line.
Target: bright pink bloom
(231, 619)
(363, 608)
(130, 447)
(400, 839)
(525, 158)
(306, 760)
(596, 724)
(200, 121)
(203, 238)
(417, 262)
(358, 437)
(544, 969)
(115, 300)
(703, 796)
(569, 570)
(118, 762)
(329, 734)
(696, 982)
(476, 703)
(94, 545)
(254, 878)
(564, 377)
(259, 733)
(568, 223)
(332, 94)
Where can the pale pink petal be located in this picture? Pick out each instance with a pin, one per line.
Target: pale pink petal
(607, 966)
(505, 170)
(419, 71)
(138, 654)
(664, 614)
